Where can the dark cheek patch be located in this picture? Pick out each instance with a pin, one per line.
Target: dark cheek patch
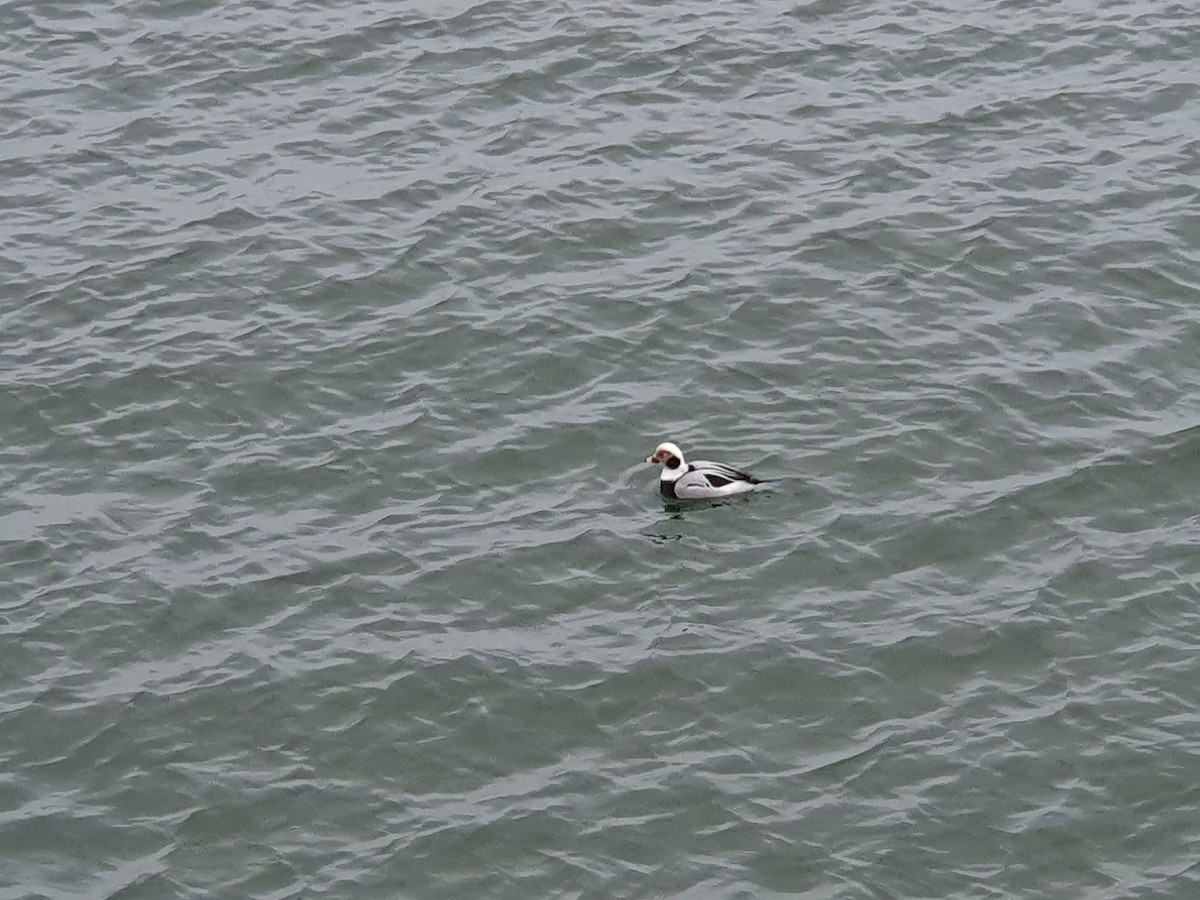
(671, 462)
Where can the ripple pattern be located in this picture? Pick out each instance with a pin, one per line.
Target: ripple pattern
(333, 337)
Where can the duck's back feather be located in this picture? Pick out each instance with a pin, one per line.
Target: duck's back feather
(705, 480)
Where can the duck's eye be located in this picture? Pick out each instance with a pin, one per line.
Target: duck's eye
(671, 462)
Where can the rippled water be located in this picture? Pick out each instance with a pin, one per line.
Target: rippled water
(334, 338)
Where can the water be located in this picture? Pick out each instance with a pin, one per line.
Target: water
(333, 340)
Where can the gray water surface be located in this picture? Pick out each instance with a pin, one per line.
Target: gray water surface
(333, 338)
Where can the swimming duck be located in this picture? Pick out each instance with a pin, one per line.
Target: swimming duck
(699, 480)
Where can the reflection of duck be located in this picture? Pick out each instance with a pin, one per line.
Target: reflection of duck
(700, 480)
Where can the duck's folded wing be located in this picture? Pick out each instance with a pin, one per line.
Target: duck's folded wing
(719, 474)
(694, 485)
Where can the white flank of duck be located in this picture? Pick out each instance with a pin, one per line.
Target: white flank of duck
(699, 480)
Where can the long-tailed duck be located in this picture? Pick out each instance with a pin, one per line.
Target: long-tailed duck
(700, 480)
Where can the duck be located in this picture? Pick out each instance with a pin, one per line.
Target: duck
(699, 480)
